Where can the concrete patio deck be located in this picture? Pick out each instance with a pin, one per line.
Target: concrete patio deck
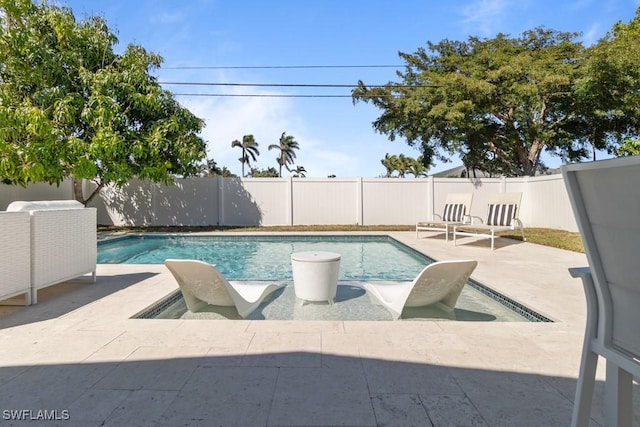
(78, 355)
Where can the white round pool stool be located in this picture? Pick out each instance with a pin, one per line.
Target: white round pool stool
(315, 275)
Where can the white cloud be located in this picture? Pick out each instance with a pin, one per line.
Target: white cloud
(592, 35)
(485, 14)
(168, 17)
(229, 118)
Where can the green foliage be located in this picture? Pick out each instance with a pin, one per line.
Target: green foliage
(71, 107)
(299, 172)
(250, 151)
(269, 172)
(211, 168)
(287, 146)
(628, 147)
(499, 103)
(608, 94)
(403, 165)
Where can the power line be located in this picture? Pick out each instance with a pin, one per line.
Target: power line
(266, 67)
(395, 86)
(273, 95)
(262, 84)
(260, 95)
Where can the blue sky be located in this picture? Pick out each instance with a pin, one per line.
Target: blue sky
(335, 136)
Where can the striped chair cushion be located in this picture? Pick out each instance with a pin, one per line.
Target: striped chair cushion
(453, 212)
(501, 214)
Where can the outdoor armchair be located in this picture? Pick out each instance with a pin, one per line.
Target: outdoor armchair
(605, 197)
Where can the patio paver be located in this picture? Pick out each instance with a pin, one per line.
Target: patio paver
(79, 350)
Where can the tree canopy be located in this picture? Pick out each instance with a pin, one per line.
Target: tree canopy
(499, 103)
(70, 106)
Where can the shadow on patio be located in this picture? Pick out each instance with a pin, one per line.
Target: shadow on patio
(150, 387)
(58, 300)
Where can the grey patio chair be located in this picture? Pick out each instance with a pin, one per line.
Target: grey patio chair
(457, 210)
(605, 197)
(502, 215)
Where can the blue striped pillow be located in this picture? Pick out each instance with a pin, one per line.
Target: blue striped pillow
(453, 212)
(501, 214)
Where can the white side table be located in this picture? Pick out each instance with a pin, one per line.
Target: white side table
(315, 275)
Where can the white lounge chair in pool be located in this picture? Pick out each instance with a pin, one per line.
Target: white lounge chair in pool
(201, 283)
(605, 198)
(502, 215)
(457, 210)
(440, 282)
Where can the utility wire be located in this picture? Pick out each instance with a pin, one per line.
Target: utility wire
(260, 84)
(266, 67)
(261, 95)
(291, 85)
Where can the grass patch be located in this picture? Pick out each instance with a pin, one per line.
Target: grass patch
(543, 236)
(560, 239)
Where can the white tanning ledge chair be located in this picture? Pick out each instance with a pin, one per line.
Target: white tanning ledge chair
(439, 282)
(605, 197)
(502, 215)
(457, 210)
(201, 284)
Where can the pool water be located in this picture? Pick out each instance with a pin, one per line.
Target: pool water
(269, 257)
(351, 304)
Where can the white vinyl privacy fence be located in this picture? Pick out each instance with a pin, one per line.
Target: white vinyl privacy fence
(297, 201)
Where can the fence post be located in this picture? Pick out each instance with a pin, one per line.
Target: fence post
(220, 182)
(360, 202)
(430, 197)
(289, 200)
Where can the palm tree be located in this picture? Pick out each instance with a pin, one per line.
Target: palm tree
(249, 150)
(417, 167)
(299, 171)
(387, 162)
(402, 164)
(286, 146)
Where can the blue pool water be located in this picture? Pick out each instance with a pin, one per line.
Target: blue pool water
(363, 258)
(269, 257)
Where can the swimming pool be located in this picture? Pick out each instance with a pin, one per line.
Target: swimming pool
(268, 257)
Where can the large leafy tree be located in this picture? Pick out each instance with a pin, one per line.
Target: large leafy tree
(287, 146)
(498, 103)
(250, 151)
(70, 106)
(608, 94)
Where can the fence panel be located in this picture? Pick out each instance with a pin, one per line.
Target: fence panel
(255, 201)
(325, 201)
(548, 205)
(34, 192)
(190, 201)
(388, 201)
(286, 201)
